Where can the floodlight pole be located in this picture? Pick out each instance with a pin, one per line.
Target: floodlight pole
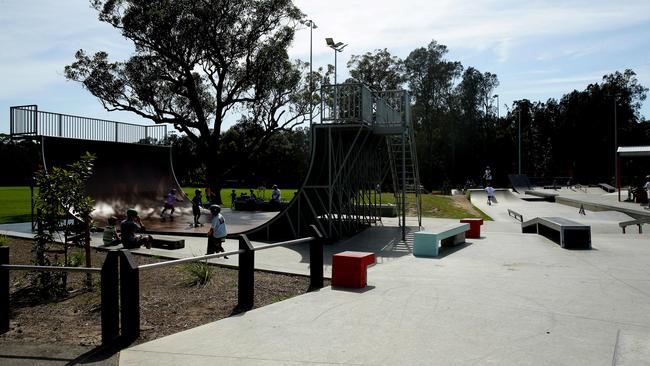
(520, 139)
(616, 174)
(497, 96)
(311, 79)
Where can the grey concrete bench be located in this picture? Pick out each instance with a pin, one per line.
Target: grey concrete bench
(606, 187)
(425, 243)
(569, 234)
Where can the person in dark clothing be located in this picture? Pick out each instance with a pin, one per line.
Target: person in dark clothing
(197, 201)
(130, 227)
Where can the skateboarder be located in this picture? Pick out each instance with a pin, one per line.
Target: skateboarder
(217, 233)
(196, 207)
(490, 194)
(170, 200)
(129, 228)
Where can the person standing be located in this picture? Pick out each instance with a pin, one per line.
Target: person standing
(218, 232)
(197, 201)
(276, 194)
(487, 176)
(490, 194)
(646, 186)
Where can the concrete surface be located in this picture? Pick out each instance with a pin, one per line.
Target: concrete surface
(506, 298)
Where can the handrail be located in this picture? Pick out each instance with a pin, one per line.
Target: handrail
(223, 254)
(26, 267)
(30, 121)
(190, 259)
(517, 216)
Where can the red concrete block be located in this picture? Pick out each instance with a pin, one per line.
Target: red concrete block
(474, 227)
(349, 268)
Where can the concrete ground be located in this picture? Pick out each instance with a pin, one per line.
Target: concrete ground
(507, 298)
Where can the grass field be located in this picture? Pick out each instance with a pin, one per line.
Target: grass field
(15, 203)
(285, 194)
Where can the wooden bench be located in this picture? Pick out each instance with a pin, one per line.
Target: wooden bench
(569, 234)
(606, 187)
(425, 243)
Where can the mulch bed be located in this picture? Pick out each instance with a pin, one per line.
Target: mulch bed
(168, 303)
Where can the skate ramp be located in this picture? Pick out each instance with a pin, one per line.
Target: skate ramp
(600, 221)
(127, 175)
(346, 161)
(520, 183)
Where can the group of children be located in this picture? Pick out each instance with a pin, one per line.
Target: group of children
(130, 238)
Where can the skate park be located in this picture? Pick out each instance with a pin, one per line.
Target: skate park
(504, 297)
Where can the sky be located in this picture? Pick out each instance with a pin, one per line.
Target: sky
(539, 49)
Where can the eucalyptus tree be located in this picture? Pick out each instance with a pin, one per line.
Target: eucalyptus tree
(379, 70)
(197, 64)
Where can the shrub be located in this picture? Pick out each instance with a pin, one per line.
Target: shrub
(201, 273)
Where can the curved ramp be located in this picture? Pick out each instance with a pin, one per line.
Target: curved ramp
(338, 194)
(125, 175)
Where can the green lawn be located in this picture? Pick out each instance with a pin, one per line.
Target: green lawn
(15, 205)
(439, 206)
(286, 194)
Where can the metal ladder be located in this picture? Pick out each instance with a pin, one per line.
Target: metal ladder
(406, 179)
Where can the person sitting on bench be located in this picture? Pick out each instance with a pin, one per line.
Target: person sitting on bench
(110, 236)
(129, 228)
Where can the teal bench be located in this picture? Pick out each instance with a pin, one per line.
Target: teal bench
(425, 243)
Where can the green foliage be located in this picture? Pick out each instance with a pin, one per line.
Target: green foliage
(240, 48)
(200, 273)
(4, 241)
(61, 195)
(380, 71)
(77, 258)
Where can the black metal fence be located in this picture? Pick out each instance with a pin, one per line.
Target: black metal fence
(120, 283)
(27, 120)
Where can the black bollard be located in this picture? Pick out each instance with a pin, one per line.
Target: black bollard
(4, 291)
(129, 297)
(316, 260)
(246, 294)
(110, 298)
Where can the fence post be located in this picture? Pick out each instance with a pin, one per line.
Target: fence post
(4, 291)
(316, 259)
(129, 297)
(246, 294)
(110, 298)
(116, 127)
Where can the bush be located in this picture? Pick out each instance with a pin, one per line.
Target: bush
(4, 241)
(201, 273)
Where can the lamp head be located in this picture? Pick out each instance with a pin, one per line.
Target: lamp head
(330, 42)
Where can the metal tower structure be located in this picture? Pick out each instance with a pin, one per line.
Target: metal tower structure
(364, 140)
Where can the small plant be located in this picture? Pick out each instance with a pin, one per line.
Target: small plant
(201, 273)
(4, 241)
(77, 258)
